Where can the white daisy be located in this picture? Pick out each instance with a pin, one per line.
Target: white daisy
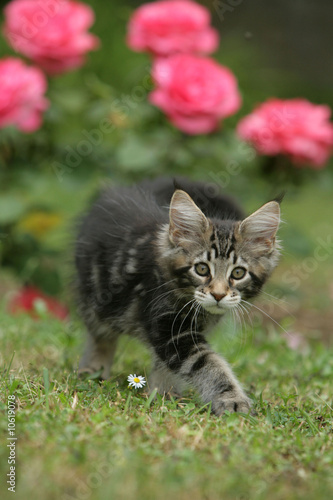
(136, 381)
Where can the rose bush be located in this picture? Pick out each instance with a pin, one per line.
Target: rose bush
(296, 128)
(52, 34)
(194, 92)
(22, 90)
(167, 27)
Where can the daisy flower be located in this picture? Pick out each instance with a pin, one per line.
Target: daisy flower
(136, 381)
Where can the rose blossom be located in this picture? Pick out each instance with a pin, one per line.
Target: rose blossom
(170, 26)
(25, 301)
(53, 33)
(294, 127)
(194, 92)
(22, 98)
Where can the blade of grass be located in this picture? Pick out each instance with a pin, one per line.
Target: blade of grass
(46, 386)
(269, 416)
(150, 399)
(207, 405)
(249, 418)
(313, 427)
(127, 402)
(6, 372)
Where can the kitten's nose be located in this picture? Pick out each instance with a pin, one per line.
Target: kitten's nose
(218, 296)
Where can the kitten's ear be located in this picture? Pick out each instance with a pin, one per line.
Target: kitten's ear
(187, 222)
(262, 225)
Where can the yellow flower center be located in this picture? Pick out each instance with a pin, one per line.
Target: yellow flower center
(136, 380)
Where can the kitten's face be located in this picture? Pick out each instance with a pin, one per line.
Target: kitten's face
(226, 273)
(219, 263)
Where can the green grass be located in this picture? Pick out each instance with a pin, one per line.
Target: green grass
(117, 443)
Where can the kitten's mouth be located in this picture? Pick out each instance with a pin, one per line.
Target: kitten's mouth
(215, 309)
(220, 308)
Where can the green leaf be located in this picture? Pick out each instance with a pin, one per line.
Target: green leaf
(73, 100)
(136, 154)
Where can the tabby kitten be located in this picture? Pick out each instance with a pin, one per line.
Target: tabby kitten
(164, 264)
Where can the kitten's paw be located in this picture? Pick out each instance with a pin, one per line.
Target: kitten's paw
(239, 403)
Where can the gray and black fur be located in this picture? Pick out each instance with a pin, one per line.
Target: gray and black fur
(163, 261)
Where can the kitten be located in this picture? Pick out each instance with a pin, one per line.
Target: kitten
(164, 264)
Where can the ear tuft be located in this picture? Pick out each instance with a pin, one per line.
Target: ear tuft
(279, 197)
(262, 224)
(187, 222)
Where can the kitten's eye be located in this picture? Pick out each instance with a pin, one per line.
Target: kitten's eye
(202, 269)
(238, 273)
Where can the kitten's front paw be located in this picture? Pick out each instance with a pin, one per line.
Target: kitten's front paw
(238, 403)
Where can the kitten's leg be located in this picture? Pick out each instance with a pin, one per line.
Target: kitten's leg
(213, 378)
(98, 354)
(207, 372)
(164, 380)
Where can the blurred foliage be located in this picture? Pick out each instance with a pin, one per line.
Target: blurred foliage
(101, 128)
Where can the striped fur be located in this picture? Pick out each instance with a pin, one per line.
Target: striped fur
(164, 265)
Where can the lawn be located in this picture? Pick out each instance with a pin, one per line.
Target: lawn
(82, 440)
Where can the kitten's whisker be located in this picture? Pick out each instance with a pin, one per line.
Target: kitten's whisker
(237, 311)
(241, 314)
(277, 300)
(173, 324)
(157, 299)
(167, 312)
(179, 331)
(161, 307)
(194, 318)
(162, 296)
(163, 284)
(245, 310)
(237, 318)
(273, 296)
(245, 305)
(198, 309)
(234, 321)
(193, 305)
(266, 314)
(242, 311)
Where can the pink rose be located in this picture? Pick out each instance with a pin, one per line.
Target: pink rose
(53, 33)
(22, 98)
(194, 92)
(294, 127)
(170, 26)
